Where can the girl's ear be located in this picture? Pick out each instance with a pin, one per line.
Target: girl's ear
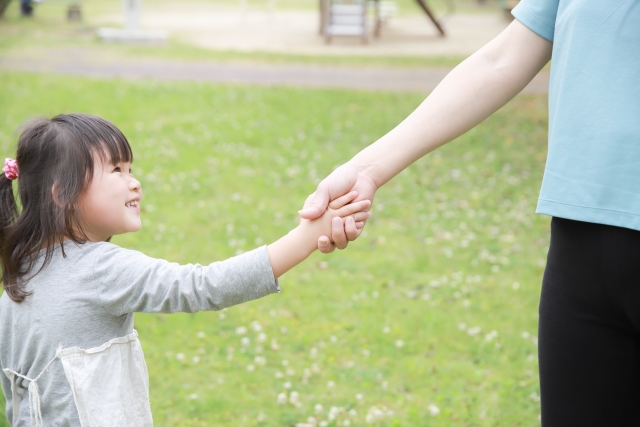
(55, 196)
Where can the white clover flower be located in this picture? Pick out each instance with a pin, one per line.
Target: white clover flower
(294, 397)
(313, 352)
(285, 362)
(201, 334)
(274, 345)
(282, 398)
(312, 420)
(193, 396)
(359, 396)
(491, 335)
(318, 408)
(331, 384)
(245, 341)
(278, 374)
(462, 326)
(333, 338)
(290, 372)
(384, 384)
(366, 353)
(323, 424)
(386, 330)
(256, 326)
(241, 330)
(287, 385)
(433, 410)
(474, 331)
(346, 423)
(251, 368)
(283, 330)
(262, 417)
(399, 343)
(315, 368)
(526, 335)
(195, 359)
(262, 337)
(180, 356)
(260, 360)
(353, 412)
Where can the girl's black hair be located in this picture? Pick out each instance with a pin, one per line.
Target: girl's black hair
(56, 160)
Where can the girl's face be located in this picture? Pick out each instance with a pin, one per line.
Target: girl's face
(111, 203)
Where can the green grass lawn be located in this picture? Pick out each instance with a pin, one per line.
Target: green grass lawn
(48, 30)
(435, 304)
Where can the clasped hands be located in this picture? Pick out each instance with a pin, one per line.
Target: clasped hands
(346, 185)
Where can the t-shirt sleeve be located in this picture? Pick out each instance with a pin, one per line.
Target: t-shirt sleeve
(538, 15)
(128, 281)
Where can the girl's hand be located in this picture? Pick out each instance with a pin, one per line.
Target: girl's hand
(333, 188)
(336, 214)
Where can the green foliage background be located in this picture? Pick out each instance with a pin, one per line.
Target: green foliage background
(400, 321)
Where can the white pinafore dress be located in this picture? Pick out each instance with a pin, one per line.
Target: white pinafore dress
(110, 384)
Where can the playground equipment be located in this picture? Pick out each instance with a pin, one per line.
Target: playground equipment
(349, 18)
(132, 32)
(343, 18)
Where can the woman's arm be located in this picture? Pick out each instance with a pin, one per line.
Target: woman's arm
(473, 91)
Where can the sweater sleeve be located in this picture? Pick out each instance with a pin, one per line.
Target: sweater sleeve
(128, 281)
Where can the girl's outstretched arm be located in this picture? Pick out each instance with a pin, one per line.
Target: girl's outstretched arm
(300, 242)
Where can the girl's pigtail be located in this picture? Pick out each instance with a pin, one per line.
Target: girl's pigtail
(8, 211)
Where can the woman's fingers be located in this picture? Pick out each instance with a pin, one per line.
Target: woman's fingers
(352, 208)
(360, 216)
(343, 200)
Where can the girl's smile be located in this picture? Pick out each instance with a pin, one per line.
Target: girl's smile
(111, 203)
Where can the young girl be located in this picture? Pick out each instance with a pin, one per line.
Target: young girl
(68, 350)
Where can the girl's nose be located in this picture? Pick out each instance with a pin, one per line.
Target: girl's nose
(135, 185)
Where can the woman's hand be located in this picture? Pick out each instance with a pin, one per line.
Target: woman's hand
(340, 182)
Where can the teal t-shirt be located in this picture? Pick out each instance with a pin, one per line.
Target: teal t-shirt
(593, 166)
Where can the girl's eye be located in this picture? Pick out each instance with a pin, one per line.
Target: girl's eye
(117, 169)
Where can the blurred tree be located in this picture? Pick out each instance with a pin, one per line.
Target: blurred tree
(3, 6)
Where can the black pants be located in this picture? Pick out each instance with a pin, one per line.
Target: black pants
(589, 340)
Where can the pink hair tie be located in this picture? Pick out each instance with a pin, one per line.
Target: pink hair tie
(10, 169)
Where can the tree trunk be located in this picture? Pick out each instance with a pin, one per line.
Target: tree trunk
(3, 6)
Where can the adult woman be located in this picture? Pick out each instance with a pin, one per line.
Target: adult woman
(589, 345)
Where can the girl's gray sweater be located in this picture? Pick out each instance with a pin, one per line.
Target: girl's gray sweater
(89, 297)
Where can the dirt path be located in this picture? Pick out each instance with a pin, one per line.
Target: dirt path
(82, 63)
